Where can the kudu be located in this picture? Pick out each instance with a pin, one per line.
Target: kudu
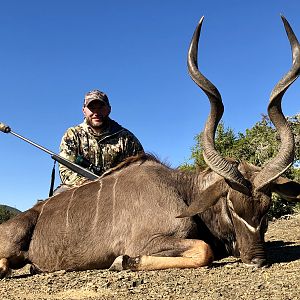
(128, 218)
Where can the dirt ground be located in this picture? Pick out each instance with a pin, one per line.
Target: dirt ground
(226, 279)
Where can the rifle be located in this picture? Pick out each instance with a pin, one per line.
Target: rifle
(72, 166)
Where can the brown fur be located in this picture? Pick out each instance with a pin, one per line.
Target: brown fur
(132, 211)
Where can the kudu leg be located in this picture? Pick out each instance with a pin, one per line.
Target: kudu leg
(15, 237)
(4, 267)
(189, 254)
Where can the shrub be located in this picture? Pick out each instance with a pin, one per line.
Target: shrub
(5, 214)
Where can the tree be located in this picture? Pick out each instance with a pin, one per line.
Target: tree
(257, 146)
(5, 214)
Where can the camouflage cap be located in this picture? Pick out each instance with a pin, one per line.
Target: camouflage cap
(95, 95)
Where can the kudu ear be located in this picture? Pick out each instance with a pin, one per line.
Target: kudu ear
(206, 199)
(287, 189)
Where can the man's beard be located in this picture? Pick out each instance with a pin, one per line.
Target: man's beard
(97, 125)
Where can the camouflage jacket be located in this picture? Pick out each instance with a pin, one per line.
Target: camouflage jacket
(104, 151)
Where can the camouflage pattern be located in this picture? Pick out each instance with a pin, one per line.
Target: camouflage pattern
(106, 150)
(95, 95)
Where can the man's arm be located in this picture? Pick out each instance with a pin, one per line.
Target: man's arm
(69, 150)
(133, 145)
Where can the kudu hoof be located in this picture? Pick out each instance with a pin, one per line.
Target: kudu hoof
(119, 263)
(33, 270)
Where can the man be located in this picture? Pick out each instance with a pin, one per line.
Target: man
(98, 141)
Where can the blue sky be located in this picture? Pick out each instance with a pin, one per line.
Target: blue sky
(53, 52)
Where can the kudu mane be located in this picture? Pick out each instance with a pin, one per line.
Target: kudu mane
(142, 158)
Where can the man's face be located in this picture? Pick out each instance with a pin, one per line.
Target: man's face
(96, 113)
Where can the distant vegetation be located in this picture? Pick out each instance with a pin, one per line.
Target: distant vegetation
(257, 145)
(7, 212)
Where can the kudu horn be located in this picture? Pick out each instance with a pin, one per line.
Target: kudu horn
(214, 160)
(283, 160)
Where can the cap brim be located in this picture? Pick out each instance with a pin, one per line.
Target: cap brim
(87, 103)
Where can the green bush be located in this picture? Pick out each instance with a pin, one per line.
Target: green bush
(257, 145)
(5, 214)
(280, 207)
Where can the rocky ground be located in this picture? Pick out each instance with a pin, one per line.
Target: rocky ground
(226, 279)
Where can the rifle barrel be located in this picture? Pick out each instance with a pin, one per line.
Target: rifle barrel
(72, 166)
(32, 143)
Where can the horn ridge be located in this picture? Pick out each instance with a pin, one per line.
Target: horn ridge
(284, 159)
(214, 160)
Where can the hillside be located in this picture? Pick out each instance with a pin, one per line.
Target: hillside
(10, 209)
